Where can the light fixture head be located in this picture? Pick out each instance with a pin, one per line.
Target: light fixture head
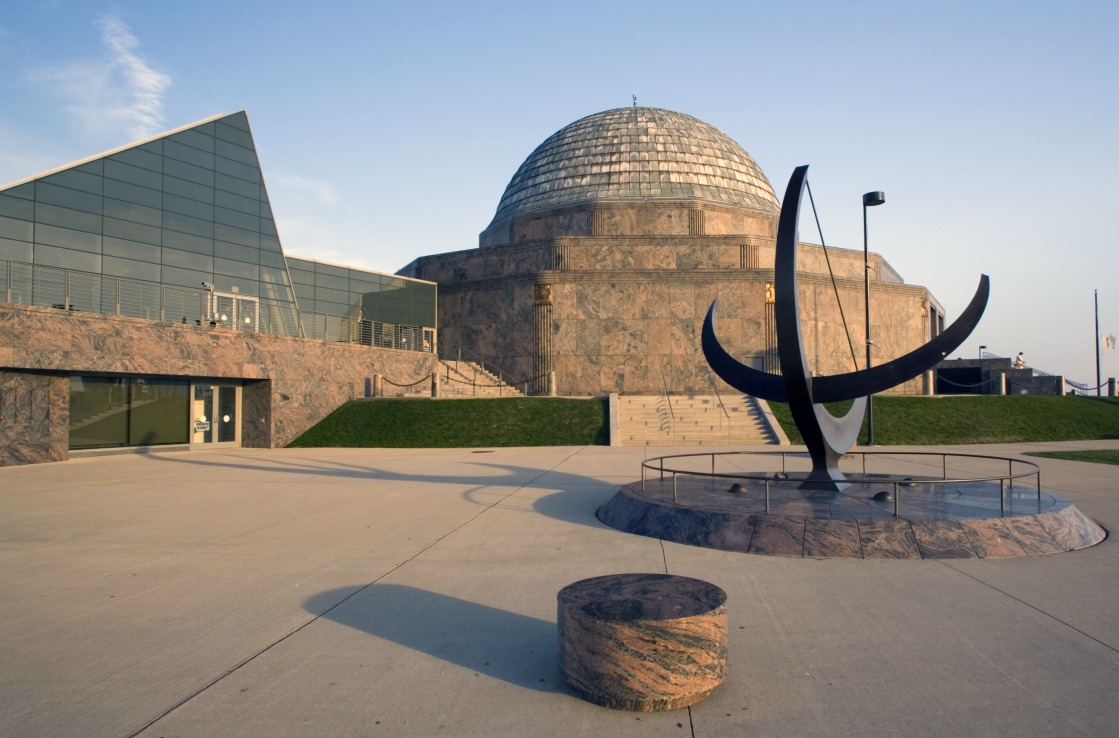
(871, 199)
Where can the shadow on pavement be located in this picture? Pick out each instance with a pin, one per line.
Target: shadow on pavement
(514, 648)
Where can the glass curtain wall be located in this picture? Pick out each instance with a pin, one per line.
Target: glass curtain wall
(342, 304)
(186, 214)
(128, 411)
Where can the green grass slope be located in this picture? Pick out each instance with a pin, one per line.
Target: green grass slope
(509, 421)
(976, 419)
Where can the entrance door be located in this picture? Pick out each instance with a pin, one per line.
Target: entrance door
(214, 415)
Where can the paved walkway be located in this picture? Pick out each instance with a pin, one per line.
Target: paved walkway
(345, 592)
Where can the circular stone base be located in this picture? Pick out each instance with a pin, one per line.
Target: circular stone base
(935, 521)
(644, 642)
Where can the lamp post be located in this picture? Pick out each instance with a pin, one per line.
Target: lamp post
(870, 199)
(981, 350)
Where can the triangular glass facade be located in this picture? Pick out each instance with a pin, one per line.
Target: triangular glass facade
(175, 228)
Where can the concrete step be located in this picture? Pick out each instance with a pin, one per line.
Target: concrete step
(651, 420)
(467, 379)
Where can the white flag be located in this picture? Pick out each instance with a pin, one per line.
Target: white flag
(1108, 342)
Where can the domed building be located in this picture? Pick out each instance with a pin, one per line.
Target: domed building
(610, 243)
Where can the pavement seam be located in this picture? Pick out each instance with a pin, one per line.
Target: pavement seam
(1035, 608)
(340, 602)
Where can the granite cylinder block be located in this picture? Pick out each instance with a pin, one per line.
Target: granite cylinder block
(643, 642)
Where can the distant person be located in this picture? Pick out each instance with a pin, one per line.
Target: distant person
(1020, 361)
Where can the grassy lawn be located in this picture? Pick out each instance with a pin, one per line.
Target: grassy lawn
(1099, 457)
(552, 421)
(973, 419)
(510, 421)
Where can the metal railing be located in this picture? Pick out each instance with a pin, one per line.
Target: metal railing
(897, 482)
(345, 329)
(71, 290)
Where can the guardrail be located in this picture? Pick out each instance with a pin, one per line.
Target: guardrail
(71, 290)
(657, 464)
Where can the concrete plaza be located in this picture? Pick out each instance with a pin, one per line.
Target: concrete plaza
(402, 592)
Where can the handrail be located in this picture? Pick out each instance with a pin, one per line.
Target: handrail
(103, 294)
(667, 398)
(715, 391)
(657, 464)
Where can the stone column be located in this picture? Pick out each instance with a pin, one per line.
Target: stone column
(542, 337)
(644, 642)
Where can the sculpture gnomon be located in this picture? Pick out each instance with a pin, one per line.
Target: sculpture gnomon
(826, 436)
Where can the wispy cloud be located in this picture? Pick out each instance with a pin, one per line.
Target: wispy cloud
(118, 92)
(143, 85)
(295, 186)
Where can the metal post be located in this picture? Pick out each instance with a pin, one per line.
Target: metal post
(1002, 496)
(1098, 382)
(897, 499)
(767, 494)
(674, 486)
(870, 199)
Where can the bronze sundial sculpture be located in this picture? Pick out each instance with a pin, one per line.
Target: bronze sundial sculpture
(826, 436)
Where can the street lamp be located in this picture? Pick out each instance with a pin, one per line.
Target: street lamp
(981, 350)
(870, 199)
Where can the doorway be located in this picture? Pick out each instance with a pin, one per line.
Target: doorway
(215, 415)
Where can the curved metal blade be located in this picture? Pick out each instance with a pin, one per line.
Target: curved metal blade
(769, 387)
(902, 369)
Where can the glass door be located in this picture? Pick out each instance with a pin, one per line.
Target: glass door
(215, 415)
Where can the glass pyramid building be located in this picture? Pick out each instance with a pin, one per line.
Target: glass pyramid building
(178, 228)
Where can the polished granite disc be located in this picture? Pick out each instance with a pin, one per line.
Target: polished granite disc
(935, 520)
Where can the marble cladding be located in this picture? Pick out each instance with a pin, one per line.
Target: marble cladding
(820, 528)
(618, 331)
(289, 383)
(34, 418)
(643, 642)
(628, 309)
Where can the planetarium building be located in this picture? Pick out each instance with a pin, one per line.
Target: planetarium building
(609, 245)
(146, 300)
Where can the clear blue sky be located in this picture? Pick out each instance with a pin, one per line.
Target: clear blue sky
(388, 130)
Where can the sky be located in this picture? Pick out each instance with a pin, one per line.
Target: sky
(388, 131)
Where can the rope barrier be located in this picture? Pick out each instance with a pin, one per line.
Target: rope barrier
(1084, 387)
(413, 384)
(506, 384)
(427, 378)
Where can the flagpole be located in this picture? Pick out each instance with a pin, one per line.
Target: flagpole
(1098, 382)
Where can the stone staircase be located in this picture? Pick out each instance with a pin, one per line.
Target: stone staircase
(692, 420)
(467, 379)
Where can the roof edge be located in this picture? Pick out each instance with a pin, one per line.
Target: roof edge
(125, 147)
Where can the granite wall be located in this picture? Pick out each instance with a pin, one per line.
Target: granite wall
(289, 383)
(34, 417)
(645, 218)
(624, 315)
(635, 332)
